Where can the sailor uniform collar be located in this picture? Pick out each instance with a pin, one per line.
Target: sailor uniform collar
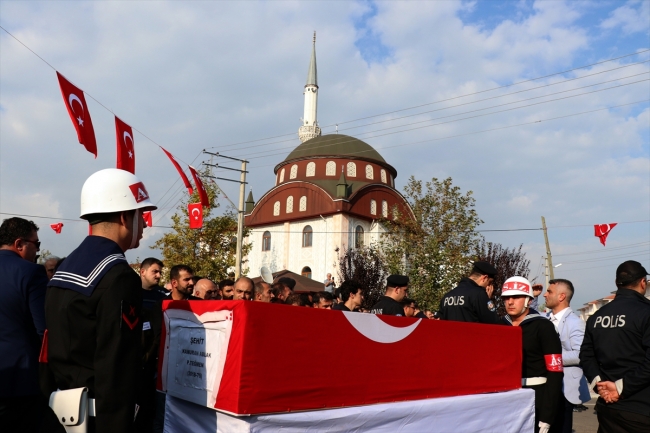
(532, 315)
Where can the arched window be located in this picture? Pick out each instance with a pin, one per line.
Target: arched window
(266, 241)
(370, 173)
(330, 168)
(294, 172)
(352, 169)
(311, 169)
(307, 234)
(383, 175)
(358, 237)
(276, 208)
(373, 207)
(306, 272)
(282, 175)
(303, 203)
(290, 204)
(384, 208)
(395, 213)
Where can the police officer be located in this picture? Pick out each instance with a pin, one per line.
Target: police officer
(470, 301)
(542, 369)
(93, 303)
(391, 302)
(615, 354)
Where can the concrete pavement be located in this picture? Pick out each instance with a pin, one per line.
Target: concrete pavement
(586, 421)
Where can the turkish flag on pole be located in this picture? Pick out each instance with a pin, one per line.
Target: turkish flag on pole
(602, 230)
(57, 227)
(195, 213)
(203, 194)
(148, 220)
(186, 181)
(78, 110)
(125, 146)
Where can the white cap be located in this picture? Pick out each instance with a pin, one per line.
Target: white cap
(516, 286)
(113, 190)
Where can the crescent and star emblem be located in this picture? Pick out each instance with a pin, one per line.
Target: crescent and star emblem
(601, 231)
(375, 329)
(197, 213)
(130, 149)
(73, 97)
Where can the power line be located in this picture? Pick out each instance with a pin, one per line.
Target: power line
(604, 250)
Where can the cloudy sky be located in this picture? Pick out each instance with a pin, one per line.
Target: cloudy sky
(540, 108)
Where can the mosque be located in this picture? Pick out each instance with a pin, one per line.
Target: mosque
(330, 194)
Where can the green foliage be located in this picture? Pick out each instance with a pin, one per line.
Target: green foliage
(436, 248)
(364, 265)
(211, 250)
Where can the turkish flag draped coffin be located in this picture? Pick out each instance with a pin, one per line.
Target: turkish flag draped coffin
(249, 358)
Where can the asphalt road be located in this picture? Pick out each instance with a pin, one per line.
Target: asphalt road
(586, 421)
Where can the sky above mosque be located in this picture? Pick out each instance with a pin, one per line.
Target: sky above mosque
(539, 108)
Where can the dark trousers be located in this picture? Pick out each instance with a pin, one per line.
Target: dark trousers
(21, 414)
(621, 421)
(564, 420)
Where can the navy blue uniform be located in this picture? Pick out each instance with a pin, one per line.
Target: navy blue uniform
(389, 306)
(468, 302)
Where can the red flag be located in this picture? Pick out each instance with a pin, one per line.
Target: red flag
(78, 110)
(147, 218)
(602, 230)
(57, 227)
(186, 181)
(195, 213)
(205, 201)
(125, 146)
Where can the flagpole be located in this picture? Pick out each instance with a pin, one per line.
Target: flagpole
(549, 260)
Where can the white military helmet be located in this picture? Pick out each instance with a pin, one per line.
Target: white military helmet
(516, 286)
(113, 190)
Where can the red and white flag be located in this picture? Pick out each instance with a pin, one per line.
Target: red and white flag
(203, 194)
(148, 220)
(195, 213)
(79, 114)
(186, 181)
(602, 230)
(125, 146)
(57, 227)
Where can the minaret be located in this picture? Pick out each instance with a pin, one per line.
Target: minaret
(310, 128)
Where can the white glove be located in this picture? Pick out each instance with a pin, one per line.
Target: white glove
(543, 427)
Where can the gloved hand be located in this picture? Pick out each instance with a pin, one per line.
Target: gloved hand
(543, 427)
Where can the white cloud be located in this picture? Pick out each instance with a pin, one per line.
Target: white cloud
(632, 17)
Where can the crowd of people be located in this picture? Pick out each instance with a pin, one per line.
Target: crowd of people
(89, 322)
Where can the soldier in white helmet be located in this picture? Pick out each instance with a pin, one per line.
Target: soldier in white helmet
(541, 368)
(93, 304)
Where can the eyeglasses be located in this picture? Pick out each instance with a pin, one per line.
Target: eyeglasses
(36, 243)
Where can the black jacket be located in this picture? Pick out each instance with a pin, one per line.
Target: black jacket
(389, 306)
(539, 342)
(617, 346)
(96, 342)
(468, 302)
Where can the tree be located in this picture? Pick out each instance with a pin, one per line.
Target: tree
(434, 249)
(365, 266)
(209, 251)
(508, 262)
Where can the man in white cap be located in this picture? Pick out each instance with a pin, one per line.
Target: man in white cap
(542, 368)
(93, 304)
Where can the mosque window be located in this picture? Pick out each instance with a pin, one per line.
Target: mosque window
(383, 175)
(330, 168)
(384, 208)
(303, 203)
(306, 272)
(395, 213)
(369, 172)
(307, 234)
(290, 204)
(352, 169)
(266, 241)
(276, 208)
(311, 169)
(294, 172)
(358, 237)
(373, 207)
(282, 175)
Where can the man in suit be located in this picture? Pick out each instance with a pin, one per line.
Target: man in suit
(22, 324)
(571, 330)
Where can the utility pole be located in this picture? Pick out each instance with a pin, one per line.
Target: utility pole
(549, 259)
(240, 208)
(546, 270)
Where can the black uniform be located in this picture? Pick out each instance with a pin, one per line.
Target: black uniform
(95, 330)
(617, 346)
(542, 357)
(340, 307)
(389, 306)
(468, 302)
